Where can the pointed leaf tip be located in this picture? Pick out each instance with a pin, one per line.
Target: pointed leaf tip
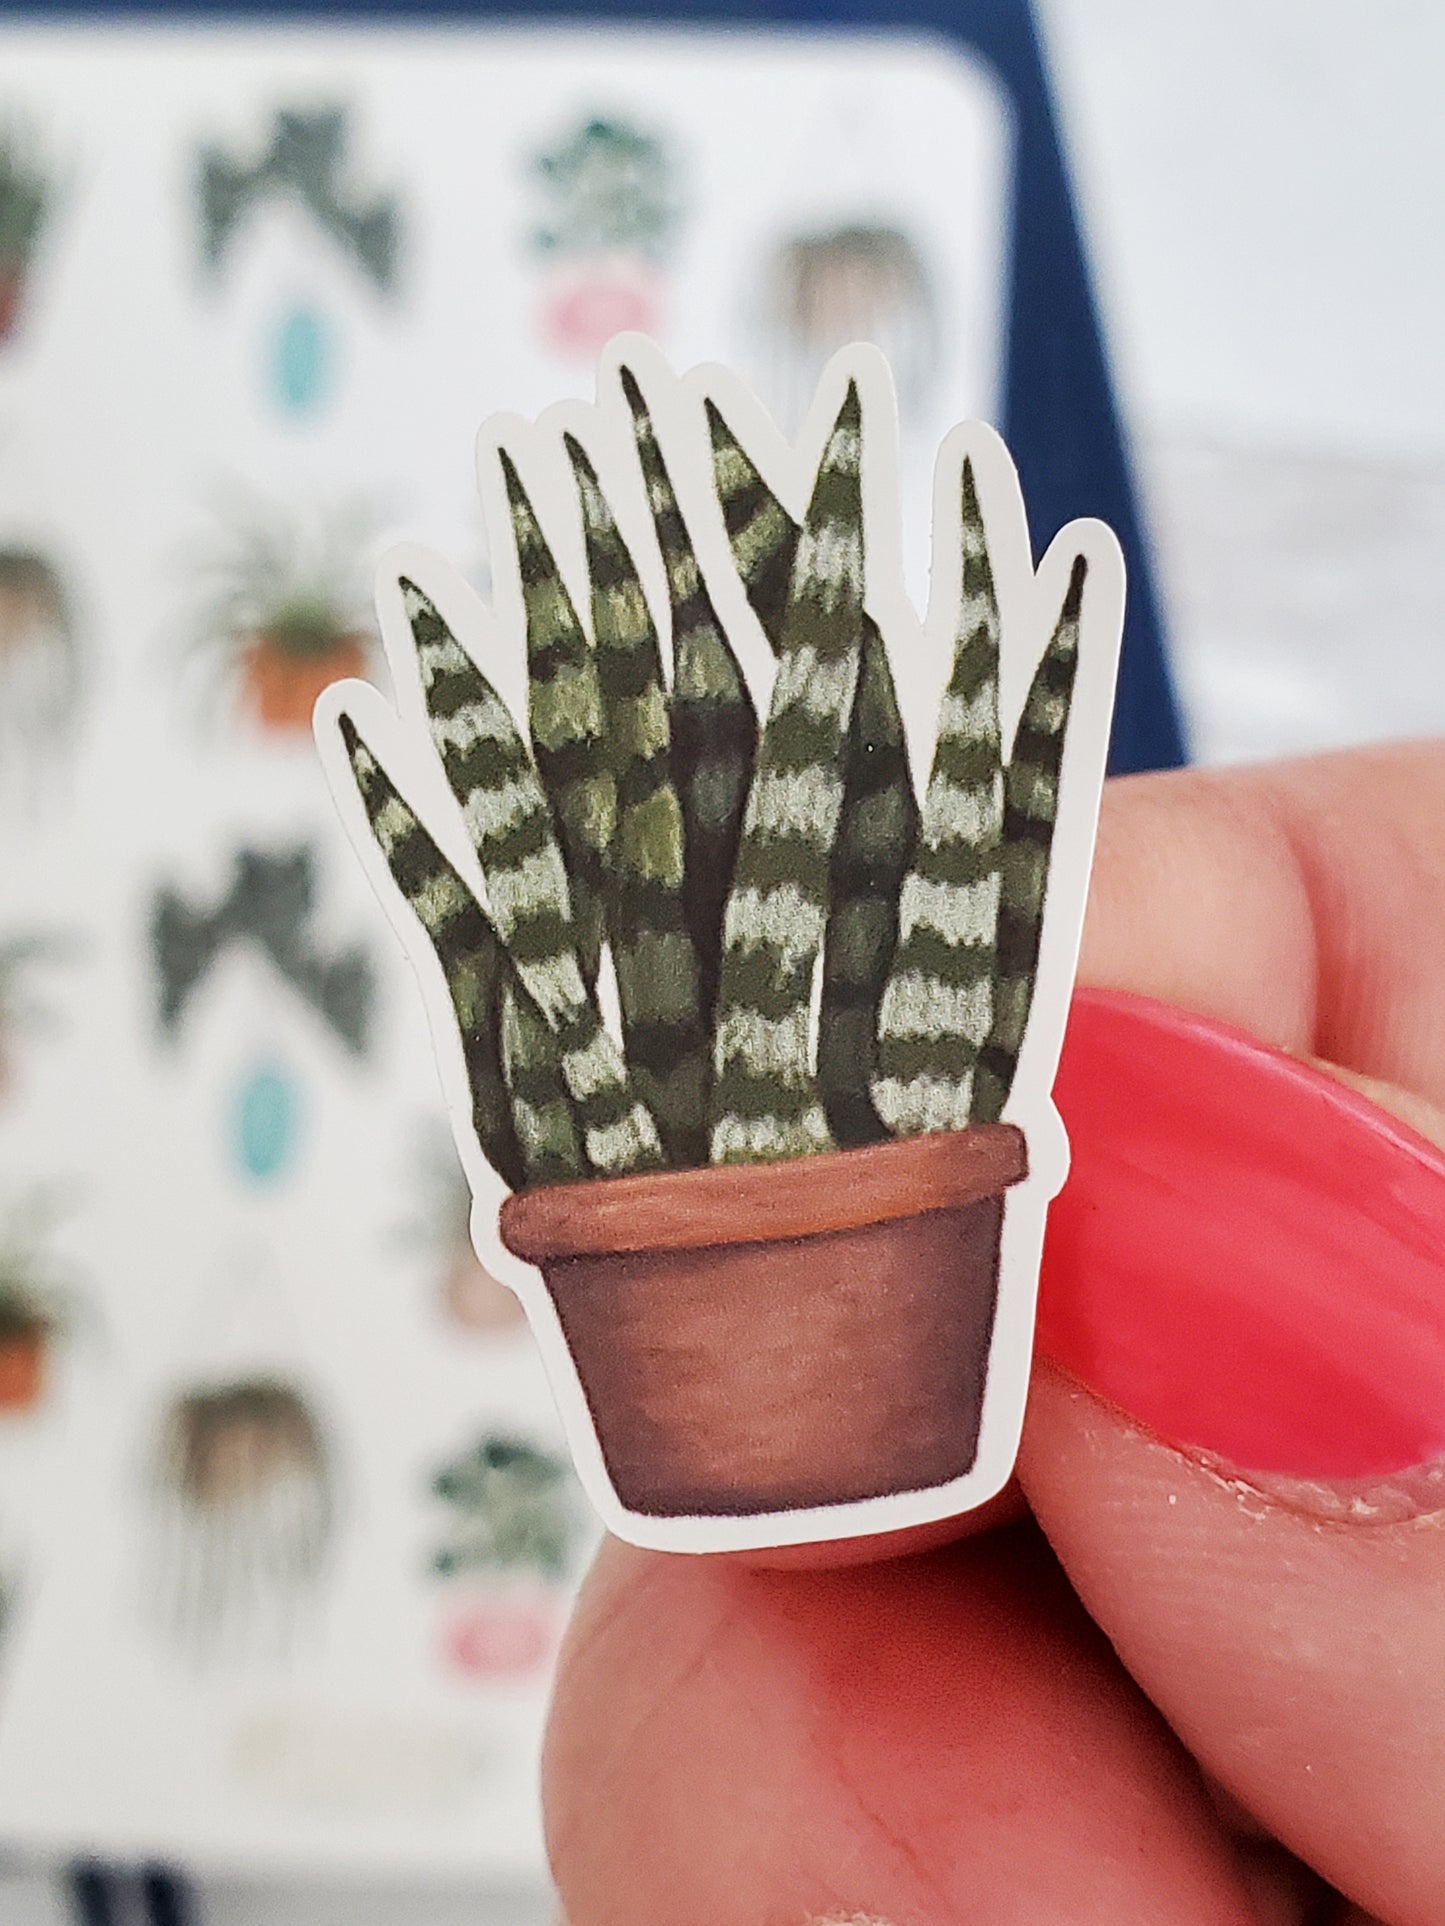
(1073, 600)
(516, 494)
(843, 454)
(580, 459)
(722, 435)
(968, 489)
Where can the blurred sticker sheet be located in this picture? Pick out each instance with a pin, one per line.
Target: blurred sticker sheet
(286, 1529)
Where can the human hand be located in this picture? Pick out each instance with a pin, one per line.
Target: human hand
(975, 1735)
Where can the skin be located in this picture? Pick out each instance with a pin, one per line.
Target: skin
(1136, 1689)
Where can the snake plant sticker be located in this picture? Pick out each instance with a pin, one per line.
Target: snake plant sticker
(748, 953)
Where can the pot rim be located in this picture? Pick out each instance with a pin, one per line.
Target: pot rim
(721, 1204)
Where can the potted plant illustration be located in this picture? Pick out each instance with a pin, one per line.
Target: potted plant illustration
(474, 1299)
(613, 215)
(510, 1549)
(33, 1306)
(284, 617)
(243, 1482)
(20, 1010)
(855, 281)
(41, 663)
(767, 1197)
(25, 197)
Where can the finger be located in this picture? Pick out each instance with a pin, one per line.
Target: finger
(936, 1740)
(1006, 1507)
(1250, 1262)
(1299, 1661)
(1304, 902)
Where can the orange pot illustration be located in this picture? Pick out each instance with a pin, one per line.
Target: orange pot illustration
(478, 1301)
(24, 1355)
(280, 688)
(282, 614)
(12, 289)
(34, 1302)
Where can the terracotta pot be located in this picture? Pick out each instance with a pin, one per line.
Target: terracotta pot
(22, 1370)
(590, 301)
(478, 1301)
(280, 690)
(502, 1631)
(775, 1337)
(12, 287)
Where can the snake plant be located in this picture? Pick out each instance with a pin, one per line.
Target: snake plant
(804, 957)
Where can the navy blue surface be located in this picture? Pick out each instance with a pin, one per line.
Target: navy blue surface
(1059, 411)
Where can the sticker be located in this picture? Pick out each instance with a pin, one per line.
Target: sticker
(23, 1010)
(612, 216)
(242, 1486)
(471, 1297)
(281, 615)
(41, 682)
(271, 908)
(36, 1301)
(858, 280)
(305, 164)
(748, 977)
(25, 199)
(508, 1555)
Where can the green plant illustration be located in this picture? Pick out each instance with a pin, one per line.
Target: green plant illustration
(25, 202)
(806, 957)
(282, 609)
(22, 958)
(36, 1295)
(512, 1510)
(307, 162)
(611, 188)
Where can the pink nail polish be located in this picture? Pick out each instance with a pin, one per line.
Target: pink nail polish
(1248, 1257)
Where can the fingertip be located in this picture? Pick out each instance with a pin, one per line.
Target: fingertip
(1006, 1507)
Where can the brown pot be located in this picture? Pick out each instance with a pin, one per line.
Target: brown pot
(12, 287)
(281, 690)
(22, 1370)
(774, 1337)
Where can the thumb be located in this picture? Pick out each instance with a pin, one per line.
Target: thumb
(1237, 1447)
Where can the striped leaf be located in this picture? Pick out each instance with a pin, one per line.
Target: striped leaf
(652, 953)
(480, 983)
(937, 1010)
(564, 715)
(543, 1114)
(878, 828)
(1031, 799)
(507, 815)
(766, 1102)
(713, 721)
(761, 533)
